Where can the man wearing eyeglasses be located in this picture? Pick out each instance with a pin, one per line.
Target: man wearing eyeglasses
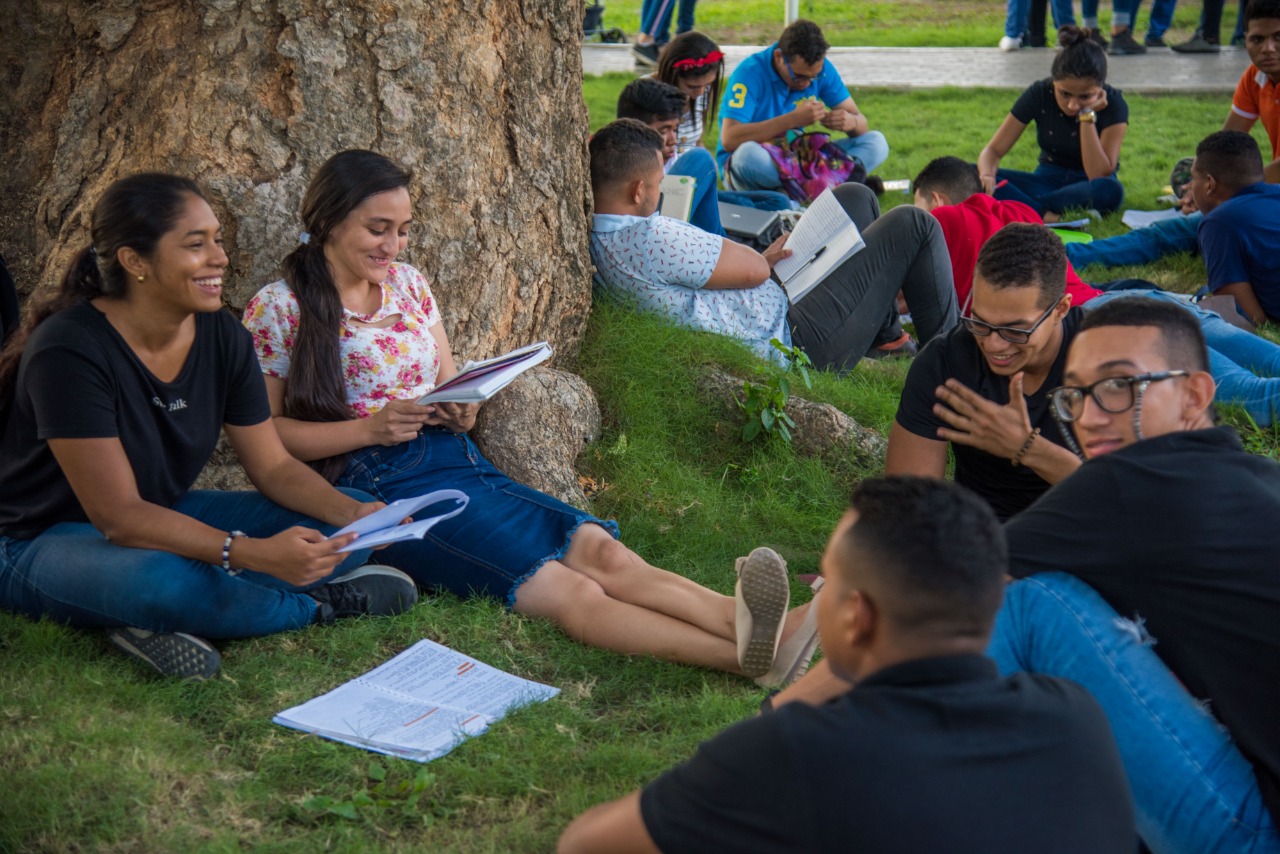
(786, 88)
(1170, 613)
(982, 389)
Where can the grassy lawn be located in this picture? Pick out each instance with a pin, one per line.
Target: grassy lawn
(97, 755)
(903, 23)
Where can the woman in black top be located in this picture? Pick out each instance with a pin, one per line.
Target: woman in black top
(1080, 125)
(112, 396)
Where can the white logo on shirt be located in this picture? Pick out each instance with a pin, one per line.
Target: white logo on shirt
(172, 407)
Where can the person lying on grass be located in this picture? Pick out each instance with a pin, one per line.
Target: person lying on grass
(113, 394)
(349, 339)
(703, 281)
(1080, 126)
(1245, 366)
(1145, 579)
(927, 748)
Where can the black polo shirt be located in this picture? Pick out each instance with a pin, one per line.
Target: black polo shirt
(1007, 489)
(939, 754)
(1180, 530)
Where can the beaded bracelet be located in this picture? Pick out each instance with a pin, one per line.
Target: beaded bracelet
(226, 552)
(1026, 446)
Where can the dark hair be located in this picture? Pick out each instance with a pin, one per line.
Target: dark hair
(316, 390)
(937, 546)
(693, 45)
(1259, 9)
(619, 150)
(953, 177)
(133, 212)
(648, 100)
(1079, 56)
(803, 39)
(1231, 157)
(1181, 340)
(1024, 255)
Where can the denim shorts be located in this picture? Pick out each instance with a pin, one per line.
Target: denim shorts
(505, 535)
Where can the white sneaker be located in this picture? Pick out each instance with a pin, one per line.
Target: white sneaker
(1008, 45)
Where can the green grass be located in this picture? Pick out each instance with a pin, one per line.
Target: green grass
(887, 23)
(98, 755)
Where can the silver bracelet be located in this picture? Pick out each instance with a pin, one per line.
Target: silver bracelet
(226, 552)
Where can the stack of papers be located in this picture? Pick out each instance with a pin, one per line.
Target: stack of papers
(479, 381)
(419, 705)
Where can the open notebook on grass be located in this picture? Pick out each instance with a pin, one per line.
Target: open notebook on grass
(823, 239)
(479, 381)
(419, 705)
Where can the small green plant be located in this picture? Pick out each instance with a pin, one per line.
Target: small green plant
(765, 403)
(382, 796)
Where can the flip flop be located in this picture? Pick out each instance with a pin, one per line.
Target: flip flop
(761, 597)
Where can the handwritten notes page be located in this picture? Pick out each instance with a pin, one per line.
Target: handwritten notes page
(419, 705)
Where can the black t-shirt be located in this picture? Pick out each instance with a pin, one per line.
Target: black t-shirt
(1181, 530)
(1007, 489)
(1057, 133)
(938, 754)
(78, 379)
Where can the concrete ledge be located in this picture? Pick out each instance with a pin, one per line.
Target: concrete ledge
(1160, 70)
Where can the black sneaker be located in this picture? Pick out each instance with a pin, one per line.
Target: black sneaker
(1124, 44)
(176, 654)
(1096, 36)
(378, 591)
(1154, 41)
(1197, 44)
(645, 54)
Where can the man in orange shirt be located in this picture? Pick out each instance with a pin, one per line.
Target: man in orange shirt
(1257, 96)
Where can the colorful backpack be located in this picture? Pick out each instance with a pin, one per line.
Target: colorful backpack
(810, 163)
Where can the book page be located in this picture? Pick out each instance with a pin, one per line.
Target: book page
(384, 525)
(824, 219)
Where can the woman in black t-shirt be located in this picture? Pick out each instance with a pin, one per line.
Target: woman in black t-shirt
(1080, 125)
(112, 396)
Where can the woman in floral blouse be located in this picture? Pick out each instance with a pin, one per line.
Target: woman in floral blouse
(349, 339)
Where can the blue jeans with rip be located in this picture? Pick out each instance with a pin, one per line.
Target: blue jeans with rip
(1057, 188)
(72, 574)
(752, 168)
(1245, 366)
(1141, 245)
(697, 163)
(1193, 790)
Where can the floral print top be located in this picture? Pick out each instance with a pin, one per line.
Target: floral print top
(379, 363)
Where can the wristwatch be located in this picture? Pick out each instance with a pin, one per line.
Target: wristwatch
(1087, 116)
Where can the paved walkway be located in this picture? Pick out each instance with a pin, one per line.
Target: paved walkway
(1159, 70)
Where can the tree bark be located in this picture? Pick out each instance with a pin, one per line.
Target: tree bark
(482, 98)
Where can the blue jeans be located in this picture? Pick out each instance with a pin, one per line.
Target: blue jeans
(1245, 366)
(753, 169)
(1019, 12)
(72, 574)
(1122, 13)
(697, 163)
(1141, 245)
(1057, 188)
(655, 18)
(1193, 790)
(505, 535)
(1161, 17)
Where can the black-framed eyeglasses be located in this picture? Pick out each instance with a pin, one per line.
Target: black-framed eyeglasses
(806, 79)
(1012, 334)
(1113, 394)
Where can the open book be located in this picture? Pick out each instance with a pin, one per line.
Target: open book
(383, 527)
(823, 239)
(419, 705)
(479, 381)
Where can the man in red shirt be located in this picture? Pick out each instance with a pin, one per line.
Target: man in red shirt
(1258, 93)
(950, 189)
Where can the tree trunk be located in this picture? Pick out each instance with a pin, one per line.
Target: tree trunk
(482, 98)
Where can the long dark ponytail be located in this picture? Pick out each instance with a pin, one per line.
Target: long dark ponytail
(315, 390)
(134, 212)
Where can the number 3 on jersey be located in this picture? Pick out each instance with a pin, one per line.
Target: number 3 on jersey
(739, 98)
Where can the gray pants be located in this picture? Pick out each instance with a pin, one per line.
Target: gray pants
(853, 309)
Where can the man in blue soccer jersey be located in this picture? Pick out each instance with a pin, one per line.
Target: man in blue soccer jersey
(784, 88)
